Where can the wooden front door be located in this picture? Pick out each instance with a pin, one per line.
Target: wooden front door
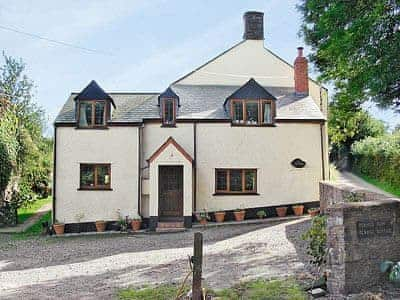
(170, 193)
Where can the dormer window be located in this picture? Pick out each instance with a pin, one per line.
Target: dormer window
(168, 102)
(93, 107)
(252, 105)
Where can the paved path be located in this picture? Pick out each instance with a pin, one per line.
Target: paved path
(95, 268)
(350, 178)
(29, 222)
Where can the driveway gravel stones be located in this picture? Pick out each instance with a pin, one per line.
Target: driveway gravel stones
(95, 267)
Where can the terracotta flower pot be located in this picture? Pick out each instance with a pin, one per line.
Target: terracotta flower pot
(136, 225)
(100, 226)
(281, 211)
(59, 228)
(219, 216)
(239, 215)
(203, 221)
(313, 212)
(298, 209)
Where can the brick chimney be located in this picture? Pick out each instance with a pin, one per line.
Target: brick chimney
(253, 25)
(300, 73)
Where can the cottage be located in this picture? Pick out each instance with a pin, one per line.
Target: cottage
(245, 130)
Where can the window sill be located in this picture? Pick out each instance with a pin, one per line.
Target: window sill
(94, 189)
(237, 194)
(92, 128)
(252, 125)
(169, 125)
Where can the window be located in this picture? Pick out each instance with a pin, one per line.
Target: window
(168, 111)
(235, 181)
(252, 112)
(95, 176)
(92, 113)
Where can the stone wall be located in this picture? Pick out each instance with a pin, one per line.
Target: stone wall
(363, 230)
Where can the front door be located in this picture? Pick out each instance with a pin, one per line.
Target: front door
(170, 193)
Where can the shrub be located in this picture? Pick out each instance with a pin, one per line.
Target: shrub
(316, 236)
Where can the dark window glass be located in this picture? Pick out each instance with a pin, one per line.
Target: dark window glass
(99, 113)
(235, 182)
(252, 112)
(267, 113)
(250, 180)
(237, 111)
(169, 117)
(87, 175)
(103, 175)
(85, 114)
(221, 180)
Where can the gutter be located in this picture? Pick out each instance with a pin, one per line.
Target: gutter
(195, 166)
(53, 218)
(139, 168)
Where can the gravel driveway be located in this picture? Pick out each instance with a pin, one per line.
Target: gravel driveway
(94, 267)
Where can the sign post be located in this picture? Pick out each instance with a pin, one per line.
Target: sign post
(197, 260)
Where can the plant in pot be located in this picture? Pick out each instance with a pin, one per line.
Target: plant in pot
(58, 227)
(261, 214)
(298, 210)
(239, 214)
(314, 211)
(203, 217)
(219, 216)
(100, 225)
(393, 270)
(136, 222)
(281, 211)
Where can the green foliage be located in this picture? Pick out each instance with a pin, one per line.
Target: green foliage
(357, 45)
(378, 158)
(162, 292)
(29, 209)
(382, 185)
(35, 230)
(316, 236)
(261, 213)
(393, 269)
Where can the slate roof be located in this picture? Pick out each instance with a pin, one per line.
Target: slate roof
(251, 90)
(169, 94)
(197, 102)
(93, 92)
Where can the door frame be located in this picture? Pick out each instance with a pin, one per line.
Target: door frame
(179, 217)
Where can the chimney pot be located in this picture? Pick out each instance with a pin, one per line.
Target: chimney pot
(300, 73)
(253, 25)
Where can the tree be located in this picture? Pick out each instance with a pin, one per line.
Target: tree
(356, 44)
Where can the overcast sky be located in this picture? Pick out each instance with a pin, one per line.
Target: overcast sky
(141, 45)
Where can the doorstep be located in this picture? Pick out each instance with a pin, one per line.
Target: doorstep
(252, 221)
(94, 233)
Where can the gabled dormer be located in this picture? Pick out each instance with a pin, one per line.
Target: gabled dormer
(93, 107)
(168, 101)
(251, 105)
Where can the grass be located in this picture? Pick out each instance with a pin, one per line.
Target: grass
(29, 210)
(253, 290)
(382, 185)
(34, 230)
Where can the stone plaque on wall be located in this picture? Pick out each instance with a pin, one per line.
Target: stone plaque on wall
(369, 229)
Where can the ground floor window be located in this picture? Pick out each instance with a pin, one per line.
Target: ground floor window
(95, 176)
(235, 181)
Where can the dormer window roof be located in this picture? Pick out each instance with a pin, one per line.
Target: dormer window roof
(168, 102)
(251, 104)
(93, 107)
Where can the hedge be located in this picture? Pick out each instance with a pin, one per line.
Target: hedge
(378, 158)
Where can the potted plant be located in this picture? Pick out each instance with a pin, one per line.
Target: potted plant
(100, 225)
(298, 209)
(393, 270)
(281, 211)
(239, 214)
(314, 211)
(219, 216)
(203, 217)
(136, 222)
(261, 214)
(59, 228)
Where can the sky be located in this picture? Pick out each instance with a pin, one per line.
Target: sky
(138, 45)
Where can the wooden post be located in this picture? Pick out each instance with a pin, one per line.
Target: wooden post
(197, 260)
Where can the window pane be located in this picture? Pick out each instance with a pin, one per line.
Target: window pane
(99, 113)
(221, 180)
(85, 114)
(267, 112)
(237, 111)
(235, 180)
(252, 112)
(168, 111)
(250, 180)
(87, 175)
(103, 175)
